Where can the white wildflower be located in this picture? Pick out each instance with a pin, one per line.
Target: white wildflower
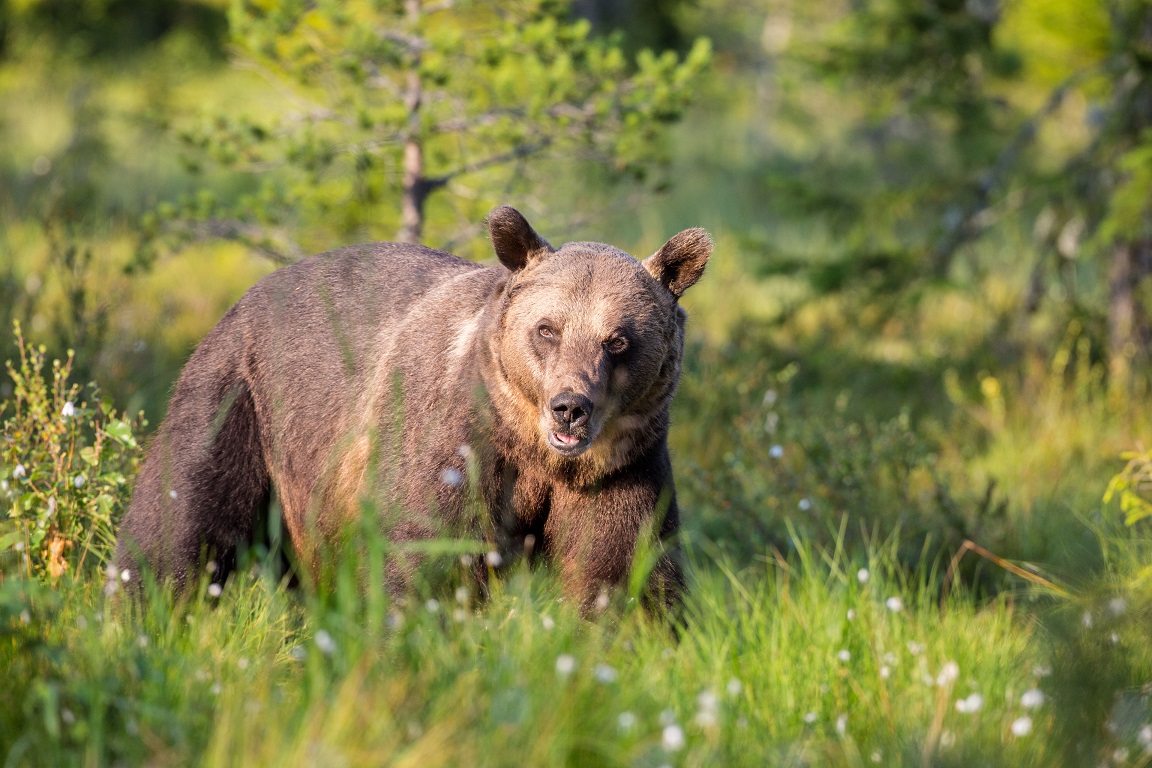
(810, 718)
(51, 506)
(1145, 737)
(1086, 619)
(734, 687)
(970, 704)
(242, 662)
(667, 717)
(804, 505)
(172, 494)
(548, 622)
(842, 724)
(215, 590)
(1022, 726)
(844, 655)
(19, 472)
(325, 642)
(626, 720)
(602, 601)
(1032, 699)
(493, 559)
(863, 575)
(915, 648)
(948, 673)
(462, 595)
(432, 605)
(451, 477)
(565, 664)
(672, 738)
(79, 481)
(776, 451)
(851, 614)
(1117, 605)
(885, 672)
(69, 410)
(605, 673)
(894, 604)
(125, 575)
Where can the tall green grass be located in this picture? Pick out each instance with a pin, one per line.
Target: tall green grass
(820, 659)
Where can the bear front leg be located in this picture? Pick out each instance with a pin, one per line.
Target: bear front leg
(595, 536)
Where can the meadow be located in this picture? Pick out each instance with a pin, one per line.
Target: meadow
(894, 490)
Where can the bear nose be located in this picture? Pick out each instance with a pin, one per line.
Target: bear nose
(570, 409)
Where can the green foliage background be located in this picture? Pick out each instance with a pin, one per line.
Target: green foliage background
(925, 324)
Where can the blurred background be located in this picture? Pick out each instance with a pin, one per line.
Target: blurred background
(928, 312)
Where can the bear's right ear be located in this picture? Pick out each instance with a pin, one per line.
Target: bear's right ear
(513, 238)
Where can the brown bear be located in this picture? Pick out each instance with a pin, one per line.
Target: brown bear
(536, 391)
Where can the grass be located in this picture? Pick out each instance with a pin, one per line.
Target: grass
(822, 659)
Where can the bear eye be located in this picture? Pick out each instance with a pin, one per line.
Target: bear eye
(616, 345)
(546, 331)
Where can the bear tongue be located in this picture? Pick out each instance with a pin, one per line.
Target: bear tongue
(566, 439)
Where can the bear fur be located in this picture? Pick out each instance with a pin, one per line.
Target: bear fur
(538, 387)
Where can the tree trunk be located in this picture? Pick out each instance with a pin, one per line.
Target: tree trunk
(415, 188)
(1129, 330)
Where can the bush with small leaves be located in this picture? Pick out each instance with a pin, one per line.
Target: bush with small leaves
(65, 468)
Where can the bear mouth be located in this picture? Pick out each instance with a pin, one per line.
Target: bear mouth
(567, 444)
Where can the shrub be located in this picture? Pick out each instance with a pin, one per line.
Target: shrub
(65, 468)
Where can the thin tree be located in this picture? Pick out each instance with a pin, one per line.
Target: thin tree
(391, 104)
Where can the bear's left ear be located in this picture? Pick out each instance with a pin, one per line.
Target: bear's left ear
(513, 238)
(680, 261)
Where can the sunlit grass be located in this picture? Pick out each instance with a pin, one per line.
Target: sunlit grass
(823, 659)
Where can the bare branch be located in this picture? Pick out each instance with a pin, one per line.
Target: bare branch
(272, 244)
(965, 227)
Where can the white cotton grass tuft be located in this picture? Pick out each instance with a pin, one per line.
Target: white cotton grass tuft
(325, 642)
(708, 708)
(970, 704)
(1032, 699)
(948, 673)
(215, 590)
(672, 738)
(565, 664)
(605, 673)
(1021, 726)
(894, 604)
(863, 575)
(844, 655)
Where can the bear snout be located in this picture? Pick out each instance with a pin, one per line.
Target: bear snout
(571, 410)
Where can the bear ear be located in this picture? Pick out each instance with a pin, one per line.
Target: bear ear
(513, 238)
(680, 261)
